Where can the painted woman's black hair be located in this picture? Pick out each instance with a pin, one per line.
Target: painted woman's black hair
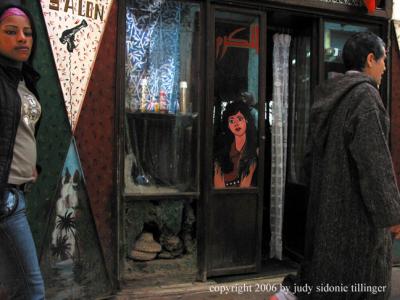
(4, 7)
(227, 138)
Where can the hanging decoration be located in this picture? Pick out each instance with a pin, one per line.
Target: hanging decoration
(75, 29)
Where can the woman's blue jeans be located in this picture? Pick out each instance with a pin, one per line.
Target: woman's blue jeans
(20, 276)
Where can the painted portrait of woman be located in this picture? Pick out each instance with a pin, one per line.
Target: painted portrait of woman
(236, 152)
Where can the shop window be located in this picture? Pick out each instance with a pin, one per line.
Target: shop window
(161, 96)
(335, 36)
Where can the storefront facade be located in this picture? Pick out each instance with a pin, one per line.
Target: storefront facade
(147, 142)
(187, 63)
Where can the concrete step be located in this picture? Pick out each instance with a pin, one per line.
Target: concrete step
(258, 288)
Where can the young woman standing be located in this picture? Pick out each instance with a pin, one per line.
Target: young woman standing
(20, 276)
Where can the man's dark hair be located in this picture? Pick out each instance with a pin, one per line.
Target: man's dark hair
(357, 48)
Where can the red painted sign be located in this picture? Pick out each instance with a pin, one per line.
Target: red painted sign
(223, 43)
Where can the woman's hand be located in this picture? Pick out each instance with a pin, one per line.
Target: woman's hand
(246, 180)
(35, 174)
(219, 181)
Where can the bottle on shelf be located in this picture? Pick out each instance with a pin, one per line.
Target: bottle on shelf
(163, 102)
(183, 97)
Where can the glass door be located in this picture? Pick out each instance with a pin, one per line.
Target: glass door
(235, 156)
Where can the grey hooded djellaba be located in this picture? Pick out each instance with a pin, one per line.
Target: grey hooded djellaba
(353, 193)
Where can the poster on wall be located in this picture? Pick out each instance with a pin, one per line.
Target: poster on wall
(75, 28)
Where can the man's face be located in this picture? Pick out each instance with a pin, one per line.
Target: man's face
(376, 67)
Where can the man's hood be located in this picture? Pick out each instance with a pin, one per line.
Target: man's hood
(327, 98)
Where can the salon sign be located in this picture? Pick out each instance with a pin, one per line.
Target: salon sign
(75, 28)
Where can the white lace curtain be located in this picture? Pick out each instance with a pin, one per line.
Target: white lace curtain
(280, 94)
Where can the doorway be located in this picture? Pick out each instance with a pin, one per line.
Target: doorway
(260, 226)
(286, 128)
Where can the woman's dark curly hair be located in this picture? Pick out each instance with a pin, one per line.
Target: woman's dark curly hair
(226, 139)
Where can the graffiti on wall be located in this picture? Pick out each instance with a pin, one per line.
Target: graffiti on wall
(75, 28)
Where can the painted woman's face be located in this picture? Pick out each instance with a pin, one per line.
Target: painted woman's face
(237, 124)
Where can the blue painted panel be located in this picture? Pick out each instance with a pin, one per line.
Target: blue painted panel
(72, 263)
